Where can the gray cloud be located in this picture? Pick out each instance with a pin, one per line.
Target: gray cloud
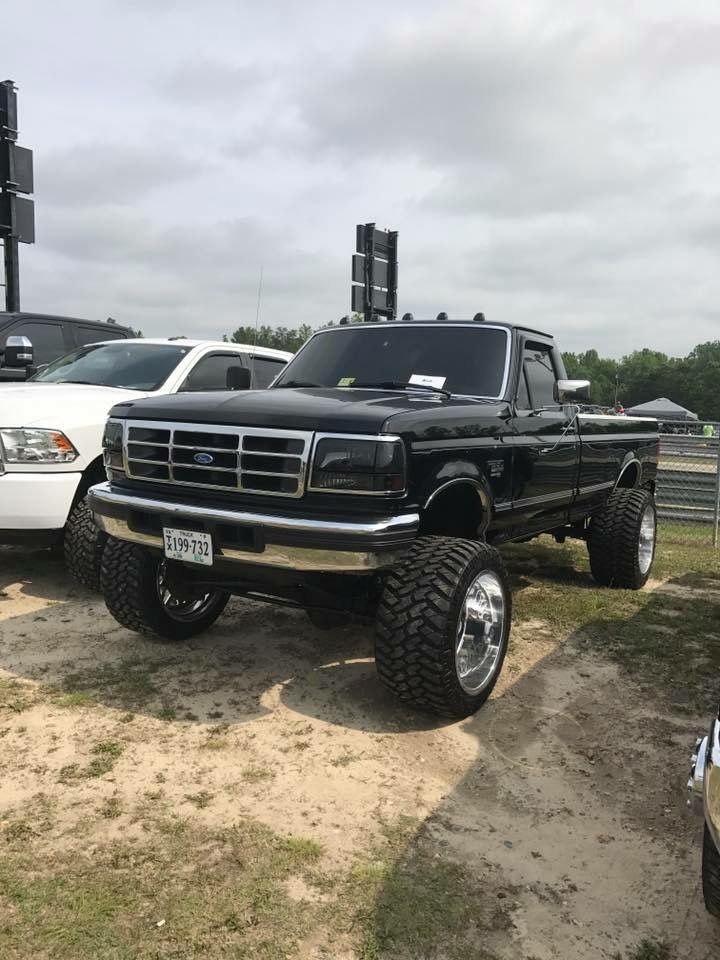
(543, 163)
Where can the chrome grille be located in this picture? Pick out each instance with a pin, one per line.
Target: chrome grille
(244, 459)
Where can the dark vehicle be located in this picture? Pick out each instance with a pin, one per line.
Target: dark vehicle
(46, 338)
(374, 479)
(704, 788)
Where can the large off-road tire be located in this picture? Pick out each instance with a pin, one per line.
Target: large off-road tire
(711, 874)
(621, 540)
(135, 586)
(442, 625)
(83, 545)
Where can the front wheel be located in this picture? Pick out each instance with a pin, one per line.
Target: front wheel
(621, 539)
(140, 593)
(443, 624)
(711, 874)
(83, 545)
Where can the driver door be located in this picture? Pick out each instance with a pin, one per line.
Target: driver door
(546, 457)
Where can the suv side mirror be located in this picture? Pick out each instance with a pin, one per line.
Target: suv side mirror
(572, 391)
(18, 352)
(238, 378)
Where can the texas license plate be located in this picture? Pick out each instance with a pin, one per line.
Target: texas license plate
(188, 545)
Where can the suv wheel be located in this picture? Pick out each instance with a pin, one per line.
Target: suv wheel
(139, 593)
(443, 624)
(621, 539)
(711, 874)
(83, 545)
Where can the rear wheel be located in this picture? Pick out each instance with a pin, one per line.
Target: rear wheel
(621, 540)
(83, 546)
(711, 874)
(443, 624)
(142, 595)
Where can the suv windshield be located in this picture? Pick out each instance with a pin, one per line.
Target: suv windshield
(462, 359)
(134, 366)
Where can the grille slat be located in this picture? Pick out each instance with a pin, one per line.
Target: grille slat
(246, 459)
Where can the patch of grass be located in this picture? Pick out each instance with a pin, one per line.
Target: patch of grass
(409, 903)
(78, 698)
(111, 808)
(649, 950)
(344, 760)
(125, 683)
(666, 638)
(233, 902)
(16, 696)
(167, 713)
(201, 799)
(302, 850)
(254, 774)
(106, 753)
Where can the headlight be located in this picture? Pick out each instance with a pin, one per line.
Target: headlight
(359, 465)
(36, 446)
(113, 448)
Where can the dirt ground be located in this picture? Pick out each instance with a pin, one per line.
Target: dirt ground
(563, 797)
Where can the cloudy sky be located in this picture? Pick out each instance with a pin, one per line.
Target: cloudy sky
(551, 162)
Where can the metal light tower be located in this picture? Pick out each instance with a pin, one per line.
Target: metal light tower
(17, 214)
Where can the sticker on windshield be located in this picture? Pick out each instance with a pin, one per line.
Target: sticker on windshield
(424, 380)
(346, 381)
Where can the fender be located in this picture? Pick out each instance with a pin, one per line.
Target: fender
(454, 474)
(630, 460)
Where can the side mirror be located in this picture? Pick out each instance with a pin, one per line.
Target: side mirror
(18, 352)
(572, 391)
(238, 378)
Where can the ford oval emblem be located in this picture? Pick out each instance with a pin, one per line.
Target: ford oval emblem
(204, 459)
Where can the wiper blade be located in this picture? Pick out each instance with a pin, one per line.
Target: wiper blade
(400, 385)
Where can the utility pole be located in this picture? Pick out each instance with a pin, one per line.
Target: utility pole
(17, 214)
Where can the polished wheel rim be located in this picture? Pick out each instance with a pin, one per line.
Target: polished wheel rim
(178, 608)
(646, 543)
(480, 632)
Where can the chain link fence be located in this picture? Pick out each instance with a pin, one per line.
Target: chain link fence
(688, 482)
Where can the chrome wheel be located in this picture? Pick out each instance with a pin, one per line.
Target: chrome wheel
(478, 646)
(646, 541)
(182, 609)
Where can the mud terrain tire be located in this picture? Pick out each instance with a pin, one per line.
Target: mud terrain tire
(711, 874)
(618, 537)
(83, 545)
(420, 618)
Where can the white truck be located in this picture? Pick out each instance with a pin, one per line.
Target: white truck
(51, 429)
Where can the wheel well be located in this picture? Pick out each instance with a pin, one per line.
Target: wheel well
(629, 476)
(455, 512)
(94, 473)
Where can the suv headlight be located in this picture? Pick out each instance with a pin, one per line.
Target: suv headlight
(358, 465)
(23, 445)
(112, 443)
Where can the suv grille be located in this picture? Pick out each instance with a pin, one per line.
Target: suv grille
(245, 459)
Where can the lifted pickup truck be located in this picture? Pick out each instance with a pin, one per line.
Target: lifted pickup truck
(374, 479)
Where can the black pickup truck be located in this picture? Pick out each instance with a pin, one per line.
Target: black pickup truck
(374, 479)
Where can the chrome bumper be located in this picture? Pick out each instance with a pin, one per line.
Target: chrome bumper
(704, 782)
(296, 543)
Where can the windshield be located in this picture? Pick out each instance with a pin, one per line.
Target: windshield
(465, 360)
(134, 366)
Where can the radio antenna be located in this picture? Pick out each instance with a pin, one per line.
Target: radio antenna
(257, 309)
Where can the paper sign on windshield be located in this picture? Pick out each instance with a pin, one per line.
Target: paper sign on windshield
(424, 380)
(346, 381)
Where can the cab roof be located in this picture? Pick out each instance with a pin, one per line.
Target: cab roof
(449, 321)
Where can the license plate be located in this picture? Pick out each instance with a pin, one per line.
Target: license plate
(188, 545)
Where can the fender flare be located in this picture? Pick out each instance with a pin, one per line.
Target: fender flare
(476, 483)
(630, 460)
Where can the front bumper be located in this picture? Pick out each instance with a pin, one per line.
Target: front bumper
(704, 782)
(34, 504)
(290, 542)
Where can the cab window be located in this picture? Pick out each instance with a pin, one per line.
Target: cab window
(211, 372)
(539, 372)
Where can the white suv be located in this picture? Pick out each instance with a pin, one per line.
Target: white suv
(51, 429)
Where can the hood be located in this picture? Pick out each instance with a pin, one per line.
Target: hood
(330, 410)
(59, 406)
